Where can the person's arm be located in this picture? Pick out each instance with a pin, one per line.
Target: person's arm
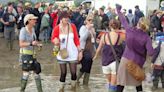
(122, 17)
(156, 53)
(23, 42)
(3, 21)
(76, 37)
(99, 47)
(149, 47)
(55, 35)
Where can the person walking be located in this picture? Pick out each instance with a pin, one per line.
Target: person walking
(65, 36)
(87, 39)
(138, 45)
(108, 59)
(27, 43)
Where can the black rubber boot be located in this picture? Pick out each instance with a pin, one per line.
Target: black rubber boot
(23, 85)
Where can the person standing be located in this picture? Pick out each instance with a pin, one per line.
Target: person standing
(65, 36)
(138, 45)
(45, 27)
(87, 39)
(105, 19)
(27, 43)
(1, 24)
(36, 12)
(9, 21)
(137, 15)
(19, 18)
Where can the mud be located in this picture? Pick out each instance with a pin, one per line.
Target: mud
(10, 73)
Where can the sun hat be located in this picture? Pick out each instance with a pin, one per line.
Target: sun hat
(28, 17)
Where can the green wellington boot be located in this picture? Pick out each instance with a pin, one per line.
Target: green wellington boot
(23, 85)
(80, 74)
(86, 79)
(39, 85)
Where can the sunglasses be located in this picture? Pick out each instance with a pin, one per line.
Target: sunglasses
(90, 19)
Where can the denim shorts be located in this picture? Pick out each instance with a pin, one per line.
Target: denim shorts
(65, 62)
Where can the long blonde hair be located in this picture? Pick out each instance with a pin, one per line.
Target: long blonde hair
(143, 24)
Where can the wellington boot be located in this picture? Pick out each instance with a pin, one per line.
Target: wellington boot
(61, 86)
(23, 85)
(39, 85)
(10, 45)
(73, 85)
(80, 74)
(86, 79)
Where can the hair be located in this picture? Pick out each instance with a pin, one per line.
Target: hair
(63, 14)
(50, 4)
(137, 7)
(9, 4)
(114, 23)
(130, 11)
(26, 23)
(101, 9)
(89, 16)
(96, 12)
(143, 24)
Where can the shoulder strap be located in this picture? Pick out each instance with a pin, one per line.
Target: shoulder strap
(118, 38)
(114, 53)
(104, 37)
(67, 36)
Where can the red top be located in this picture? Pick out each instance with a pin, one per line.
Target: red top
(54, 16)
(55, 34)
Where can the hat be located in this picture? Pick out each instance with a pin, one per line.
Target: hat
(158, 11)
(28, 17)
(20, 5)
(27, 4)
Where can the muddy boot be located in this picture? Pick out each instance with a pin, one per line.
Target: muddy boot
(155, 84)
(86, 79)
(10, 45)
(80, 74)
(39, 84)
(23, 85)
(61, 86)
(73, 85)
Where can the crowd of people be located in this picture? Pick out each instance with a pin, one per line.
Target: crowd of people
(79, 35)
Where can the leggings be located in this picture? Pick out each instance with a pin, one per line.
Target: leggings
(63, 68)
(121, 88)
(86, 63)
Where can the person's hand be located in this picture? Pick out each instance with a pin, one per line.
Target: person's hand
(6, 23)
(118, 7)
(80, 56)
(35, 43)
(152, 65)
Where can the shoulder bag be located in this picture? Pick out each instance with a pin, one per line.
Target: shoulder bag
(63, 52)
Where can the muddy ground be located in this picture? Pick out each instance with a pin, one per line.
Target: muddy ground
(10, 73)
